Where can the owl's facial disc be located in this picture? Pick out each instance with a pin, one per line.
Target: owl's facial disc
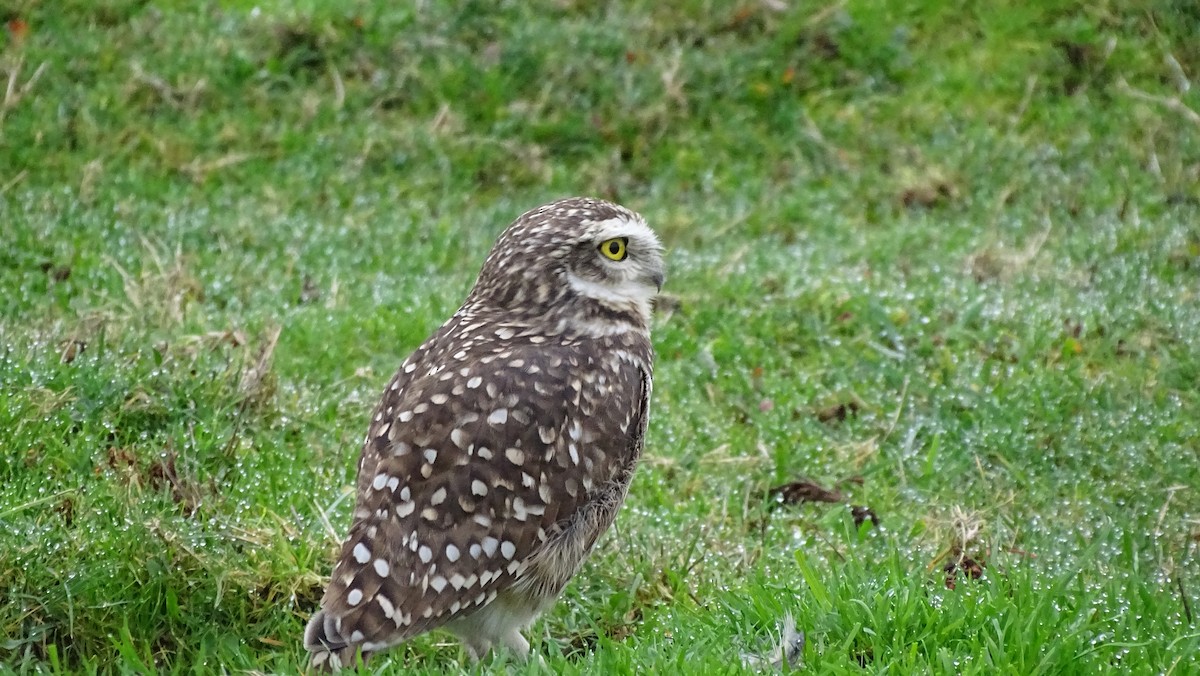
(619, 264)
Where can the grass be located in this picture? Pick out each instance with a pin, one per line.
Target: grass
(942, 262)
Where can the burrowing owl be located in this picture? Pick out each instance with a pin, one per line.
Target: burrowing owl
(504, 446)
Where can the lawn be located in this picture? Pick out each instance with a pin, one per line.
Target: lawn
(928, 374)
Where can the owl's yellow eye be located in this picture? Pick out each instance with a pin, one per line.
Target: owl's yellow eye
(614, 249)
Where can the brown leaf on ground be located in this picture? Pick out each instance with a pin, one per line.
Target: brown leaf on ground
(184, 491)
(70, 349)
(863, 514)
(970, 568)
(804, 490)
(839, 412)
(965, 529)
(309, 291)
(926, 190)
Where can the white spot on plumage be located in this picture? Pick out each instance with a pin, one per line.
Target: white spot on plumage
(388, 609)
(490, 544)
(438, 583)
(478, 488)
(379, 482)
(515, 455)
(438, 497)
(498, 417)
(507, 549)
(425, 553)
(452, 553)
(361, 553)
(354, 597)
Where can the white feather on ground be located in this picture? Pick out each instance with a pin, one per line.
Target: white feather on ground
(788, 651)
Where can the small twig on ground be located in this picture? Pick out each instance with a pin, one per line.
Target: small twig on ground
(1177, 73)
(339, 87)
(252, 378)
(1026, 98)
(172, 95)
(1162, 512)
(250, 384)
(198, 170)
(821, 15)
(1187, 605)
(1173, 103)
(896, 416)
(13, 93)
(13, 181)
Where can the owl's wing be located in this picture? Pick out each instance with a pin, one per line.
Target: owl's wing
(471, 470)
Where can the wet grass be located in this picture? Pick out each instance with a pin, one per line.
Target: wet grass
(943, 264)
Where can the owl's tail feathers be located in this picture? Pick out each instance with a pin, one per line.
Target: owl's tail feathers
(328, 648)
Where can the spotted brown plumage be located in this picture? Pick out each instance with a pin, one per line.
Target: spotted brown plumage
(504, 445)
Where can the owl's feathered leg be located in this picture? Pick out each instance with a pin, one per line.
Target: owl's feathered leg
(517, 644)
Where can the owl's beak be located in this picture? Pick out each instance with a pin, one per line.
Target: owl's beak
(658, 278)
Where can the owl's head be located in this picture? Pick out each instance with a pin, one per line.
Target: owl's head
(573, 252)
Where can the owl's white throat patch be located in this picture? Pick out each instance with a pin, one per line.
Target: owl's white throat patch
(624, 296)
